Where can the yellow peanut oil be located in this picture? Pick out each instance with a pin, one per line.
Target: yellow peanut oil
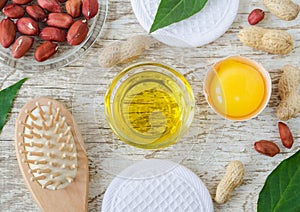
(149, 109)
(237, 90)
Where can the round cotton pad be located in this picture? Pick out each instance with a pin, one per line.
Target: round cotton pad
(157, 185)
(202, 28)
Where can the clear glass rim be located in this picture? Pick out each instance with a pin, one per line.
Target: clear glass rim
(114, 85)
(54, 63)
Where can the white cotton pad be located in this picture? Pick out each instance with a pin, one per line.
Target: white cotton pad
(202, 28)
(158, 186)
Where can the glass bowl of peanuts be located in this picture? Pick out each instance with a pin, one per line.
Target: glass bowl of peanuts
(48, 34)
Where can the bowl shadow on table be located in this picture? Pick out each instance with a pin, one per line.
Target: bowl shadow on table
(110, 154)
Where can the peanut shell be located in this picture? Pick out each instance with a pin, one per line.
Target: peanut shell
(284, 9)
(288, 84)
(269, 40)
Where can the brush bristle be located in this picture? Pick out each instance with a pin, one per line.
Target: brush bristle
(48, 147)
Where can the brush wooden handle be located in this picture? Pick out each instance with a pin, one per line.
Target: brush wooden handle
(74, 196)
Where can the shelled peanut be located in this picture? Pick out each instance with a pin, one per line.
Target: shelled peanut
(270, 148)
(13, 11)
(47, 21)
(7, 32)
(21, 46)
(45, 51)
(256, 16)
(265, 147)
(269, 40)
(2, 3)
(286, 135)
(73, 8)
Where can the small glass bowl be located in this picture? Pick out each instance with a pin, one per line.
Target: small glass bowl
(65, 54)
(149, 105)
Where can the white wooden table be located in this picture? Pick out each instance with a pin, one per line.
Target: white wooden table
(207, 148)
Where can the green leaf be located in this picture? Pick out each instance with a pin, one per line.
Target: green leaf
(7, 97)
(281, 191)
(172, 11)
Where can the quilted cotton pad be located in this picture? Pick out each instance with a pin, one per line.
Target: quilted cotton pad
(202, 28)
(158, 186)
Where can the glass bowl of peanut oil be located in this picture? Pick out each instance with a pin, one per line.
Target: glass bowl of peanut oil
(149, 105)
(237, 88)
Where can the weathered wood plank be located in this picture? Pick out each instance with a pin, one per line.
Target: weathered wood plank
(211, 142)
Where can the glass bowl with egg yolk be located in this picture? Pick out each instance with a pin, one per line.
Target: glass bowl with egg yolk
(149, 105)
(237, 88)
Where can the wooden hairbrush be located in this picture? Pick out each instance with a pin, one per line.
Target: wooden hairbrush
(52, 157)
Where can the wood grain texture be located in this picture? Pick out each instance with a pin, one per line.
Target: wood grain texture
(74, 197)
(208, 147)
